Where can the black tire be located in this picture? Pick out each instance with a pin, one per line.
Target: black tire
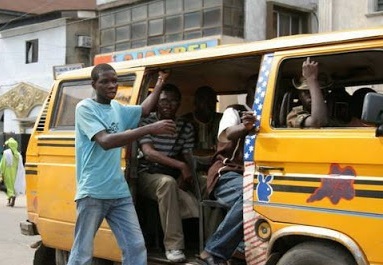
(44, 256)
(316, 253)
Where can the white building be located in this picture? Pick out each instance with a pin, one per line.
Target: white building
(31, 45)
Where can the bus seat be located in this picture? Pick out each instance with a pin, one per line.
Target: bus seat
(290, 99)
(338, 106)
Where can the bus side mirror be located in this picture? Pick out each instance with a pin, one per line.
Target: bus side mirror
(373, 111)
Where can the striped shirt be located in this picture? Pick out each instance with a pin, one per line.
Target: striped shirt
(169, 145)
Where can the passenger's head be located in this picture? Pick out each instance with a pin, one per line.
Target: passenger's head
(251, 85)
(304, 94)
(104, 81)
(205, 99)
(357, 100)
(168, 102)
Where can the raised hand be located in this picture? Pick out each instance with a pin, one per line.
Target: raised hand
(248, 119)
(310, 69)
(163, 75)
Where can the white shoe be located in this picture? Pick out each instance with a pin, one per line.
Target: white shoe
(175, 255)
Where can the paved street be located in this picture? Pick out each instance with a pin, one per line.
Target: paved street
(14, 246)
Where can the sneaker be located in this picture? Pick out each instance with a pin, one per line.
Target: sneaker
(175, 255)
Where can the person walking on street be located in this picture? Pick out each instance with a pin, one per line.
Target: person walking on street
(12, 171)
(102, 127)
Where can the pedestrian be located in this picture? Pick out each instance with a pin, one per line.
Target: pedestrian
(12, 171)
(102, 127)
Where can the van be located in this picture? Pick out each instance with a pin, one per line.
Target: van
(310, 195)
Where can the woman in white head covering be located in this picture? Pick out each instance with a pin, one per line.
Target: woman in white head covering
(12, 171)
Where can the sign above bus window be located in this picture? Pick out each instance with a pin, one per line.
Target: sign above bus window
(144, 52)
(59, 69)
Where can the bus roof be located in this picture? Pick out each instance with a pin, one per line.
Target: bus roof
(243, 49)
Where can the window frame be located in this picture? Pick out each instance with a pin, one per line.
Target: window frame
(379, 5)
(31, 51)
(272, 8)
(339, 77)
(60, 109)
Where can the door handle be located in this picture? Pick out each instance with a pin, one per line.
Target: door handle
(268, 168)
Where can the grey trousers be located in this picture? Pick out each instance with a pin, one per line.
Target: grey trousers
(174, 205)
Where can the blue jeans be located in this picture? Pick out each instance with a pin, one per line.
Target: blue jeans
(122, 219)
(229, 234)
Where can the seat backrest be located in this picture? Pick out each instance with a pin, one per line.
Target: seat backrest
(290, 100)
(338, 105)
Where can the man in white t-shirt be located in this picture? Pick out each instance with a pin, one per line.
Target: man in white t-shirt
(225, 179)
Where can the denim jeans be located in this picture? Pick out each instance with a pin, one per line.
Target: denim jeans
(122, 219)
(229, 234)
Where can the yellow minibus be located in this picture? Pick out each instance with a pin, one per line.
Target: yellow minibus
(311, 196)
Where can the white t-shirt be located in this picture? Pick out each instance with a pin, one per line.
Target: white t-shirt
(230, 117)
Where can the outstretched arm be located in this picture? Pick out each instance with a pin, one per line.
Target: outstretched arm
(150, 102)
(235, 132)
(113, 140)
(318, 115)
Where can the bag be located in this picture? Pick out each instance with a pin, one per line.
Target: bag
(161, 169)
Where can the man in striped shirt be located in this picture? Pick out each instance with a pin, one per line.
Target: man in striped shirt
(164, 173)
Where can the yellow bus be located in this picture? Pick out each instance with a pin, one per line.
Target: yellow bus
(311, 196)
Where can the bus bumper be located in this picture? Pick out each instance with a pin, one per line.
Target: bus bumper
(27, 228)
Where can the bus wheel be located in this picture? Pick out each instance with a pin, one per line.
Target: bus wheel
(61, 257)
(316, 253)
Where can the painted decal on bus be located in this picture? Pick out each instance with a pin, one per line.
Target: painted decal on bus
(339, 186)
(264, 189)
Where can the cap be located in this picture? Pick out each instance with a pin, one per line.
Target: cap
(323, 79)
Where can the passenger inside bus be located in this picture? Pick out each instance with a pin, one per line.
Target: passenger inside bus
(165, 172)
(225, 180)
(205, 120)
(312, 113)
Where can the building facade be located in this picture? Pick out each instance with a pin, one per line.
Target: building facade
(32, 46)
(133, 24)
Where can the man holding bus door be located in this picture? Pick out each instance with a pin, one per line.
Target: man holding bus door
(102, 127)
(225, 179)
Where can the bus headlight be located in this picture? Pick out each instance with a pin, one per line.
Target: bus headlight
(263, 230)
